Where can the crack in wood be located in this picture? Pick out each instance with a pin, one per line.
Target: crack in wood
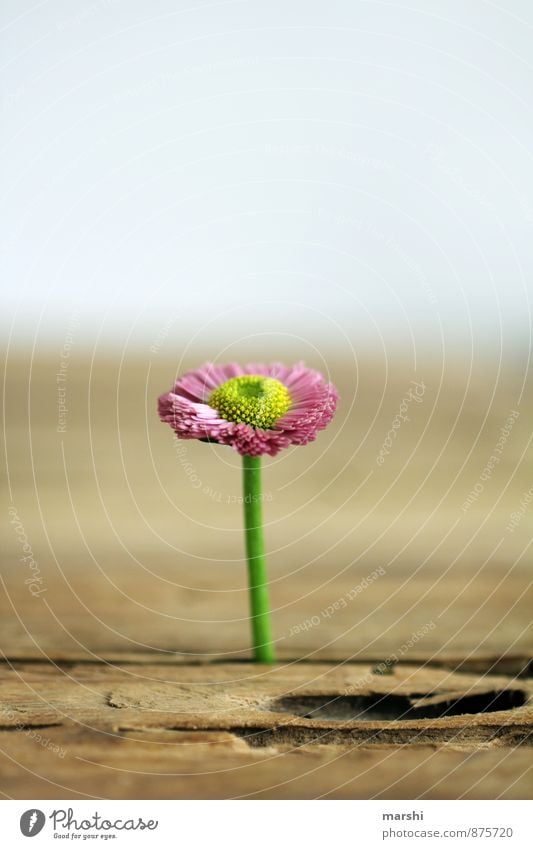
(291, 735)
(25, 728)
(520, 665)
(398, 707)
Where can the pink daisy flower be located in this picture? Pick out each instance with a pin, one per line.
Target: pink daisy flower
(257, 409)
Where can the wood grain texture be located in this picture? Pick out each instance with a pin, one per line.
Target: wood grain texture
(219, 730)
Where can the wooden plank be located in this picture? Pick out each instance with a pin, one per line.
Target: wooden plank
(288, 731)
(205, 765)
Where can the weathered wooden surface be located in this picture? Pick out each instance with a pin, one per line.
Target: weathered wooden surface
(127, 675)
(236, 730)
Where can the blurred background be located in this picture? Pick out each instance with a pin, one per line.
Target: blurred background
(346, 183)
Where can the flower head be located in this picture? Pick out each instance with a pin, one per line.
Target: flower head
(257, 409)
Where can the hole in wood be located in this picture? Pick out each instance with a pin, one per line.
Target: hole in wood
(397, 707)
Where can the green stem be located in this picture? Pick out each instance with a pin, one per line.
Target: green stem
(255, 552)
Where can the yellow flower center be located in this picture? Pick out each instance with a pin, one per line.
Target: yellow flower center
(255, 400)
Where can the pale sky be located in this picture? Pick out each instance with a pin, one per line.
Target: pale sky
(357, 170)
